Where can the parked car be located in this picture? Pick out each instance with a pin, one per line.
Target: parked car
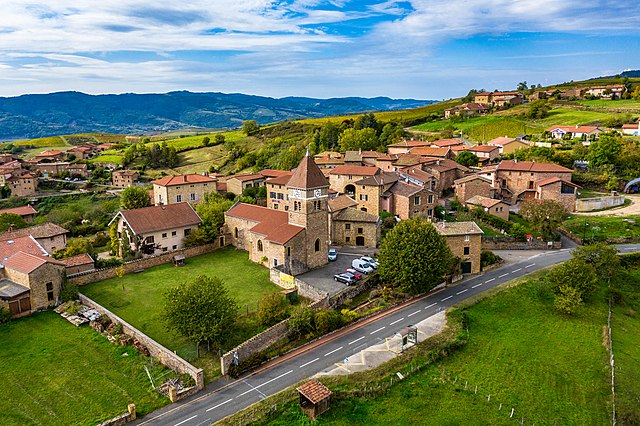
(357, 275)
(344, 278)
(361, 266)
(333, 254)
(371, 261)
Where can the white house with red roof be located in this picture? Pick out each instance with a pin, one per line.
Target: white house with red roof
(575, 132)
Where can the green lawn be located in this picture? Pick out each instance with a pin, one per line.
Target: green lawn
(632, 105)
(57, 374)
(142, 300)
(602, 227)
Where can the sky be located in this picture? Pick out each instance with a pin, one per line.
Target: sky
(420, 49)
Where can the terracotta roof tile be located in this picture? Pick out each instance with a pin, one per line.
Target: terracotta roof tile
(554, 179)
(314, 391)
(354, 215)
(308, 175)
(81, 259)
(574, 129)
(21, 211)
(158, 218)
(182, 179)
(273, 224)
(501, 141)
(458, 228)
(409, 144)
(531, 166)
(471, 178)
(272, 173)
(430, 152)
(405, 189)
(27, 263)
(378, 180)
(443, 143)
(280, 180)
(26, 244)
(46, 230)
(341, 202)
(355, 170)
(479, 200)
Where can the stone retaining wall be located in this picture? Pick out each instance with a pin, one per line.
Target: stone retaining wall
(122, 419)
(599, 203)
(139, 264)
(156, 350)
(509, 243)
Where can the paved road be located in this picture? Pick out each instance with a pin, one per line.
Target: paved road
(323, 354)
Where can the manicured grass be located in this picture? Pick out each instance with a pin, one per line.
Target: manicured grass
(59, 374)
(548, 367)
(142, 300)
(602, 227)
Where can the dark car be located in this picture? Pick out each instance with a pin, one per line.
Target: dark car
(344, 278)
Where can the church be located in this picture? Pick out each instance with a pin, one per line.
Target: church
(294, 239)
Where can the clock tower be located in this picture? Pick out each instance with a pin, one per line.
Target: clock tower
(308, 191)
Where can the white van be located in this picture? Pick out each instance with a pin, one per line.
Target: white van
(361, 266)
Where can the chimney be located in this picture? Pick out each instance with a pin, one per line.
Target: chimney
(184, 177)
(205, 174)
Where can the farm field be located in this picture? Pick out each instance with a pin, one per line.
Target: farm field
(632, 105)
(60, 374)
(142, 299)
(602, 227)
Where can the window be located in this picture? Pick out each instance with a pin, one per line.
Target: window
(566, 189)
(275, 262)
(364, 209)
(178, 198)
(174, 233)
(359, 230)
(297, 206)
(164, 235)
(187, 231)
(430, 212)
(272, 195)
(416, 200)
(530, 184)
(150, 239)
(364, 197)
(275, 207)
(347, 239)
(50, 292)
(347, 226)
(164, 249)
(430, 199)
(174, 247)
(286, 208)
(235, 232)
(317, 244)
(193, 197)
(288, 251)
(280, 196)
(466, 251)
(350, 177)
(466, 238)
(260, 247)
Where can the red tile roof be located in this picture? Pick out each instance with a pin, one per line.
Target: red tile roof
(27, 263)
(430, 152)
(479, 200)
(25, 244)
(280, 180)
(46, 230)
(314, 391)
(272, 173)
(501, 141)
(443, 143)
(81, 259)
(355, 170)
(418, 173)
(273, 224)
(574, 129)
(308, 175)
(158, 218)
(341, 202)
(554, 179)
(50, 153)
(182, 179)
(409, 144)
(21, 211)
(531, 166)
(246, 177)
(481, 148)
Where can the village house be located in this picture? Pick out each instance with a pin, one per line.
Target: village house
(361, 158)
(328, 159)
(465, 242)
(277, 197)
(342, 179)
(182, 188)
(485, 153)
(7, 158)
(369, 191)
(48, 235)
(156, 229)
(51, 156)
(350, 226)
(444, 143)
(466, 110)
(631, 129)
(27, 212)
(238, 183)
(23, 185)
(471, 186)
(558, 189)
(574, 132)
(445, 172)
(612, 91)
(494, 207)
(78, 264)
(507, 145)
(406, 200)
(124, 178)
(405, 146)
(499, 99)
(295, 240)
(419, 177)
(438, 152)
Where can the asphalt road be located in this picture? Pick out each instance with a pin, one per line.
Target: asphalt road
(321, 355)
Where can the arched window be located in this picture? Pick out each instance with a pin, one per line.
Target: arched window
(260, 245)
(235, 232)
(317, 244)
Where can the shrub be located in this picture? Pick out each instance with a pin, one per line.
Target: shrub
(327, 320)
(487, 257)
(301, 321)
(69, 291)
(108, 263)
(517, 231)
(568, 299)
(272, 309)
(5, 315)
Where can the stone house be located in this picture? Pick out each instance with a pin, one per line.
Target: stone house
(405, 146)
(361, 158)
(78, 264)
(507, 145)
(238, 183)
(466, 110)
(124, 178)
(51, 156)
(437, 152)
(445, 172)
(485, 153)
(472, 185)
(369, 191)
(558, 189)
(350, 226)
(294, 240)
(465, 241)
(499, 99)
(342, 179)
(26, 212)
(277, 197)
(517, 180)
(406, 200)
(446, 143)
(23, 185)
(156, 229)
(48, 235)
(574, 132)
(494, 207)
(78, 170)
(182, 188)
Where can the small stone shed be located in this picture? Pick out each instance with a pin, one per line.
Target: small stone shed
(315, 398)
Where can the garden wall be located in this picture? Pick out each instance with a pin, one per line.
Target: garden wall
(509, 243)
(156, 350)
(122, 419)
(139, 264)
(599, 203)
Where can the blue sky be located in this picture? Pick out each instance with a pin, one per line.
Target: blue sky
(425, 49)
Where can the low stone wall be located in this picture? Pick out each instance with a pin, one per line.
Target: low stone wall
(122, 419)
(509, 243)
(156, 350)
(144, 263)
(599, 203)
(177, 395)
(309, 291)
(352, 291)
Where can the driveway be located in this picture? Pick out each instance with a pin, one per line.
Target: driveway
(322, 278)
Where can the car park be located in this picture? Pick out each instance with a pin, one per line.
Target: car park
(345, 278)
(333, 255)
(371, 261)
(361, 266)
(357, 275)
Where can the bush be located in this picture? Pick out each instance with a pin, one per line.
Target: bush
(272, 309)
(487, 257)
(301, 321)
(5, 315)
(69, 291)
(108, 263)
(327, 320)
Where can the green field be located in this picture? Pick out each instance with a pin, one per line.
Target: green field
(52, 141)
(142, 300)
(59, 374)
(631, 105)
(602, 227)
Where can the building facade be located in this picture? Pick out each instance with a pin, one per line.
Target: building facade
(182, 188)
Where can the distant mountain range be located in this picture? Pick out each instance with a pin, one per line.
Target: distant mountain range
(627, 73)
(32, 116)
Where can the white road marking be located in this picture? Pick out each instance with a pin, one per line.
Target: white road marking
(357, 340)
(433, 304)
(254, 388)
(477, 285)
(307, 363)
(488, 281)
(516, 270)
(460, 292)
(184, 421)
(529, 266)
(265, 383)
(219, 405)
(503, 275)
(375, 331)
(446, 298)
(335, 350)
(395, 322)
(413, 313)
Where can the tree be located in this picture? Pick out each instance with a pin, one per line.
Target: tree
(539, 109)
(603, 257)
(134, 197)
(447, 131)
(272, 309)
(80, 246)
(219, 139)
(13, 221)
(201, 310)
(301, 321)
(572, 283)
(414, 256)
(366, 121)
(567, 299)
(545, 216)
(329, 135)
(353, 139)
(522, 86)
(206, 141)
(211, 211)
(604, 151)
(391, 133)
(250, 127)
(467, 159)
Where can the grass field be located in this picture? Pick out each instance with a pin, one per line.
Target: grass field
(142, 300)
(631, 105)
(59, 374)
(52, 141)
(601, 227)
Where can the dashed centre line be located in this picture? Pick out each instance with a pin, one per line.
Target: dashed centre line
(219, 405)
(335, 350)
(395, 322)
(477, 285)
(310, 362)
(431, 305)
(462, 291)
(503, 275)
(184, 421)
(446, 298)
(516, 270)
(413, 313)
(375, 331)
(357, 340)
(529, 266)
(488, 281)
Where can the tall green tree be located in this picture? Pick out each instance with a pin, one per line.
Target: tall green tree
(603, 257)
(10, 220)
(467, 159)
(352, 139)
(604, 151)
(329, 135)
(211, 211)
(201, 310)
(366, 121)
(414, 256)
(219, 139)
(250, 127)
(545, 216)
(134, 197)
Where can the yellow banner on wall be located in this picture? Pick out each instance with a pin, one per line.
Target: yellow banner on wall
(286, 281)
